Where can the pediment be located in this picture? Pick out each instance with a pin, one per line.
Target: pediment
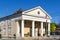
(37, 11)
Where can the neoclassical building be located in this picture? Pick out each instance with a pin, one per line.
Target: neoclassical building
(30, 23)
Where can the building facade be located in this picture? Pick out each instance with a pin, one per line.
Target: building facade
(30, 23)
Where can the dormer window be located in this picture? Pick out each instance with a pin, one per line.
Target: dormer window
(38, 12)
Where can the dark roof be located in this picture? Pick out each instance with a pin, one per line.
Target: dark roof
(7, 17)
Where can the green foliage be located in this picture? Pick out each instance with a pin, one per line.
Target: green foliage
(52, 27)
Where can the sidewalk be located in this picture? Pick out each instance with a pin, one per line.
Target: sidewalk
(55, 37)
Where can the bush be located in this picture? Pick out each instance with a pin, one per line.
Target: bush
(0, 36)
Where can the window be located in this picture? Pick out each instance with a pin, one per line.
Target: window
(9, 22)
(4, 31)
(9, 30)
(38, 12)
(4, 28)
(9, 26)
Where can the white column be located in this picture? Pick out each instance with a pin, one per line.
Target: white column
(33, 25)
(48, 29)
(42, 29)
(22, 28)
(17, 30)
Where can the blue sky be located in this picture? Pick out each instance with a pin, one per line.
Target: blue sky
(52, 7)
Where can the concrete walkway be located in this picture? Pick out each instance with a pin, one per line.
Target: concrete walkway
(34, 38)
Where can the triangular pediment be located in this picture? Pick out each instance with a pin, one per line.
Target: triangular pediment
(37, 11)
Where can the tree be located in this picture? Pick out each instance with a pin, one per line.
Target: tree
(53, 27)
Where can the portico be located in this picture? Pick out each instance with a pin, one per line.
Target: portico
(33, 23)
(31, 28)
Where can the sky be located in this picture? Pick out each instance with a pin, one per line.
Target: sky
(52, 7)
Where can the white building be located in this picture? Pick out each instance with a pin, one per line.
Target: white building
(30, 23)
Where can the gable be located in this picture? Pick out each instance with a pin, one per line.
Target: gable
(36, 12)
